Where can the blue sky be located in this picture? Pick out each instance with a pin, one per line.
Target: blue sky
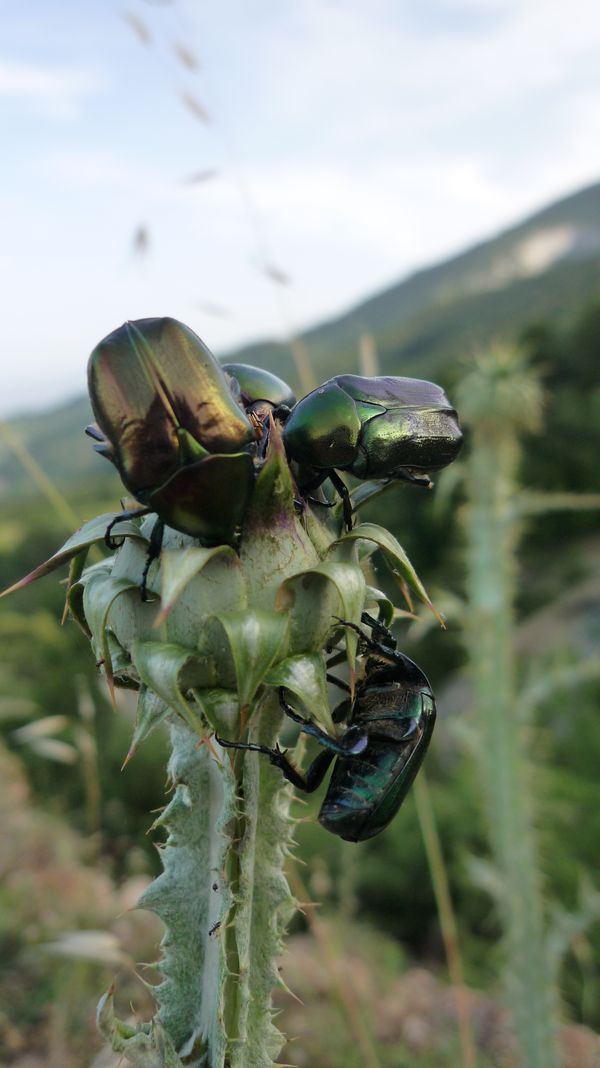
(349, 143)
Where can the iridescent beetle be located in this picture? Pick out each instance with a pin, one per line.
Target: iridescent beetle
(182, 430)
(374, 428)
(170, 423)
(389, 726)
(185, 432)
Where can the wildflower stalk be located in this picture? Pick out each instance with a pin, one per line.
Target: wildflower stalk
(446, 915)
(223, 899)
(502, 398)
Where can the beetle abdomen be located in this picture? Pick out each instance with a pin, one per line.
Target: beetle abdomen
(356, 791)
(366, 792)
(373, 427)
(420, 439)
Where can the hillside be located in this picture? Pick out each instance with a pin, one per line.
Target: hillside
(544, 268)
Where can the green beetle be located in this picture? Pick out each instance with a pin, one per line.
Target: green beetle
(389, 723)
(169, 422)
(260, 391)
(374, 428)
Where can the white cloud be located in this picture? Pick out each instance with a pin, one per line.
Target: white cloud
(56, 92)
(356, 74)
(88, 168)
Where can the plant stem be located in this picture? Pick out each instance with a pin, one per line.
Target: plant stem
(492, 537)
(223, 898)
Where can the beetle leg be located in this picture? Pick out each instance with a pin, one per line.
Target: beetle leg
(300, 504)
(379, 630)
(337, 658)
(282, 412)
(344, 493)
(263, 440)
(276, 756)
(404, 475)
(250, 747)
(371, 643)
(156, 540)
(314, 776)
(306, 725)
(343, 711)
(324, 504)
(308, 487)
(315, 773)
(338, 682)
(133, 513)
(351, 743)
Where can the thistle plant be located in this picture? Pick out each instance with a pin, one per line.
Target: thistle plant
(225, 590)
(502, 399)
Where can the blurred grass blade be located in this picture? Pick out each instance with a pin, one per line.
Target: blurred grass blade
(446, 914)
(44, 484)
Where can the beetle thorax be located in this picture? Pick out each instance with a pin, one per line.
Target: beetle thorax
(392, 700)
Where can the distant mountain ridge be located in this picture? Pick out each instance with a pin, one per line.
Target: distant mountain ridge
(543, 268)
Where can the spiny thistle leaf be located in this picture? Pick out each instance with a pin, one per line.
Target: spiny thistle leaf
(394, 555)
(89, 534)
(99, 595)
(145, 1047)
(150, 713)
(263, 900)
(193, 897)
(163, 667)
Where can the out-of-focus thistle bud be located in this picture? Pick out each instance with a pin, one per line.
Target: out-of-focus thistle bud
(169, 422)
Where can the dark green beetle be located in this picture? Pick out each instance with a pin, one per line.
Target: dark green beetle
(169, 422)
(391, 720)
(374, 428)
(260, 391)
